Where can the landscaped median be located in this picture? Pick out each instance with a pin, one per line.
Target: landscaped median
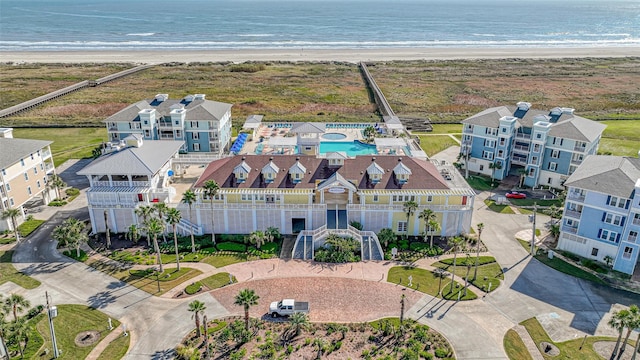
(9, 273)
(429, 283)
(212, 282)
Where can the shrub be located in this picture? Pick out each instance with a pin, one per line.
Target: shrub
(238, 238)
(57, 202)
(403, 245)
(34, 311)
(356, 225)
(393, 245)
(441, 353)
(418, 246)
(248, 68)
(193, 288)
(269, 247)
(231, 246)
(72, 191)
(72, 254)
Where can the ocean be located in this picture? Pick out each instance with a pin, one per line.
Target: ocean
(298, 24)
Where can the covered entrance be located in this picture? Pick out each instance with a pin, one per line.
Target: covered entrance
(336, 192)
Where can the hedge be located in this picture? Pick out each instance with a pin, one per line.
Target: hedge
(483, 260)
(231, 246)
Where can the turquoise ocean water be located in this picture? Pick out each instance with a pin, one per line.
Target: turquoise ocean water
(256, 24)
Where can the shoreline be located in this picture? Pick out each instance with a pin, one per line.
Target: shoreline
(309, 55)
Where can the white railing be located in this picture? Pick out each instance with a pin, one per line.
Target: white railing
(121, 183)
(632, 238)
(523, 136)
(576, 162)
(575, 196)
(570, 229)
(636, 221)
(521, 148)
(573, 213)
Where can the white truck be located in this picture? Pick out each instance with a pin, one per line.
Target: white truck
(288, 307)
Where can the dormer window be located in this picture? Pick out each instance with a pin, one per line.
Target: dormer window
(375, 172)
(297, 171)
(269, 172)
(241, 172)
(402, 172)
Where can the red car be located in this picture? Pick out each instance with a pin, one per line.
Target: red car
(516, 195)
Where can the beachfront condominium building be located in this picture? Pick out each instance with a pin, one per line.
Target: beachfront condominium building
(137, 174)
(24, 169)
(202, 125)
(315, 196)
(601, 218)
(543, 147)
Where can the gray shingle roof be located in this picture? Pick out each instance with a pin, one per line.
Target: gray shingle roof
(614, 175)
(195, 110)
(308, 128)
(12, 150)
(145, 160)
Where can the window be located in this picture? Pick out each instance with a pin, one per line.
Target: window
(633, 236)
(617, 202)
(500, 153)
(11, 202)
(22, 162)
(41, 166)
(147, 133)
(178, 134)
(35, 171)
(628, 251)
(536, 147)
(502, 141)
(481, 167)
(429, 198)
(553, 166)
(402, 226)
(375, 198)
(8, 186)
(38, 183)
(594, 252)
(491, 131)
(196, 147)
(608, 235)
(532, 172)
(4, 172)
(29, 190)
(636, 216)
(487, 155)
(26, 176)
(194, 124)
(613, 219)
(538, 136)
(534, 160)
(403, 198)
(555, 154)
(31, 156)
(489, 143)
(195, 136)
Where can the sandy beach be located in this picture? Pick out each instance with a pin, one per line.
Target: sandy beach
(296, 55)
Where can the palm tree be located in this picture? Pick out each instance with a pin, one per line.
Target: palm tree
(636, 325)
(629, 322)
(71, 233)
(196, 307)
(106, 229)
(454, 242)
(19, 332)
(427, 215)
(494, 166)
(273, 233)
(409, 208)
(439, 273)
(189, 197)
(257, 237)
(145, 212)
(386, 236)
(467, 262)
(57, 183)
(522, 173)
(211, 189)
(161, 209)
(173, 217)
(13, 214)
(298, 321)
(3, 328)
(480, 227)
(618, 321)
(16, 303)
(246, 298)
(132, 233)
(154, 228)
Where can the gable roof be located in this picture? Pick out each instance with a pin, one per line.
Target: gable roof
(297, 168)
(614, 175)
(145, 160)
(374, 169)
(270, 167)
(195, 110)
(12, 149)
(308, 128)
(401, 169)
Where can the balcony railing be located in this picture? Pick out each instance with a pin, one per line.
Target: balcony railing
(573, 213)
(579, 148)
(518, 160)
(121, 183)
(576, 162)
(636, 221)
(632, 239)
(46, 154)
(521, 148)
(523, 136)
(570, 229)
(575, 196)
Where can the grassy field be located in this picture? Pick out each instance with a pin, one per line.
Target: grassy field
(434, 144)
(9, 273)
(489, 271)
(621, 137)
(425, 281)
(514, 347)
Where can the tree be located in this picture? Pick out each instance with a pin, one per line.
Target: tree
(555, 231)
(386, 236)
(467, 262)
(618, 321)
(522, 173)
(57, 183)
(106, 230)
(409, 208)
(428, 216)
(132, 233)
(189, 198)
(258, 238)
(3, 329)
(272, 233)
(16, 304)
(454, 242)
(246, 298)
(434, 226)
(71, 233)
(13, 214)
(161, 209)
(480, 227)
(298, 321)
(630, 321)
(369, 132)
(18, 334)
(211, 189)
(636, 325)
(154, 228)
(439, 273)
(494, 166)
(197, 307)
(608, 260)
(173, 217)
(145, 212)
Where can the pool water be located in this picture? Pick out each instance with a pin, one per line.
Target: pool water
(334, 136)
(352, 148)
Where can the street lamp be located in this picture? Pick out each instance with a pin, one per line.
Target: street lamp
(52, 312)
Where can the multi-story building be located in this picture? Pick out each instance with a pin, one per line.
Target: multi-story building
(202, 125)
(546, 147)
(139, 173)
(314, 196)
(24, 169)
(601, 218)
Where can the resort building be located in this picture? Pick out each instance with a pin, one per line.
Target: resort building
(24, 169)
(601, 218)
(139, 173)
(201, 125)
(545, 147)
(314, 196)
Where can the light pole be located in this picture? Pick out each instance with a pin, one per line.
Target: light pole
(52, 312)
(532, 218)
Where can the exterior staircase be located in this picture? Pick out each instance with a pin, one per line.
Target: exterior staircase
(308, 240)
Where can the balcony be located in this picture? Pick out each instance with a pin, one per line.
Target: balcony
(48, 167)
(576, 162)
(121, 184)
(573, 213)
(636, 221)
(570, 229)
(519, 160)
(632, 238)
(165, 124)
(523, 136)
(579, 148)
(166, 136)
(521, 149)
(575, 196)
(45, 154)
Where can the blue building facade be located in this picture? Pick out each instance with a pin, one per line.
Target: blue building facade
(544, 147)
(601, 216)
(203, 125)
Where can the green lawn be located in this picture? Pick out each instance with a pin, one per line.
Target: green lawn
(539, 202)
(566, 268)
(29, 226)
(72, 320)
(217, 280)
(434, 144)
(445, 129)
(7, 239)
(621, 137)
(502, 209)
(116, 349)
(9, 273)
(219, 261)
(427, 282)
(481, 183)
(489, 271)
(515, 347)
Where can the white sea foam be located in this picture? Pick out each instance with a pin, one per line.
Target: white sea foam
(141, 34)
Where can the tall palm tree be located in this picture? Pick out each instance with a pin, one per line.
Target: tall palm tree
(197, 307)
(145, 213)
(173, 217)
(427, 215)
(133, 233)
(154, 228)
(3, 328)
(13, 214)
(629, 322)
(494, 166)
(211, 189)
(16, 304)
(189, 197)
(71, 233)
(636, 325)
(618, 321)
(19, 332)
(409, 208)
(480, 227)
(246, 298)
(454, 242)
(161, 209)
(106, 229)
(467, 262)
(57, 183)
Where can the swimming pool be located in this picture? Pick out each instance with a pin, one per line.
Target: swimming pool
(352, 148)
(334, 136)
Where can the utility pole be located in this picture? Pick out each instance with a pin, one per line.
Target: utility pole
(52, 312)
(532, 218)
(466, 161)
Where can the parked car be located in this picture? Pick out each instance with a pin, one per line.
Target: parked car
(287, 307)
(516, 195)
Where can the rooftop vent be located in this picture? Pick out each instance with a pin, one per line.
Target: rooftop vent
(161, 97)
(522, 105)
(188, 98)
(199, 96)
